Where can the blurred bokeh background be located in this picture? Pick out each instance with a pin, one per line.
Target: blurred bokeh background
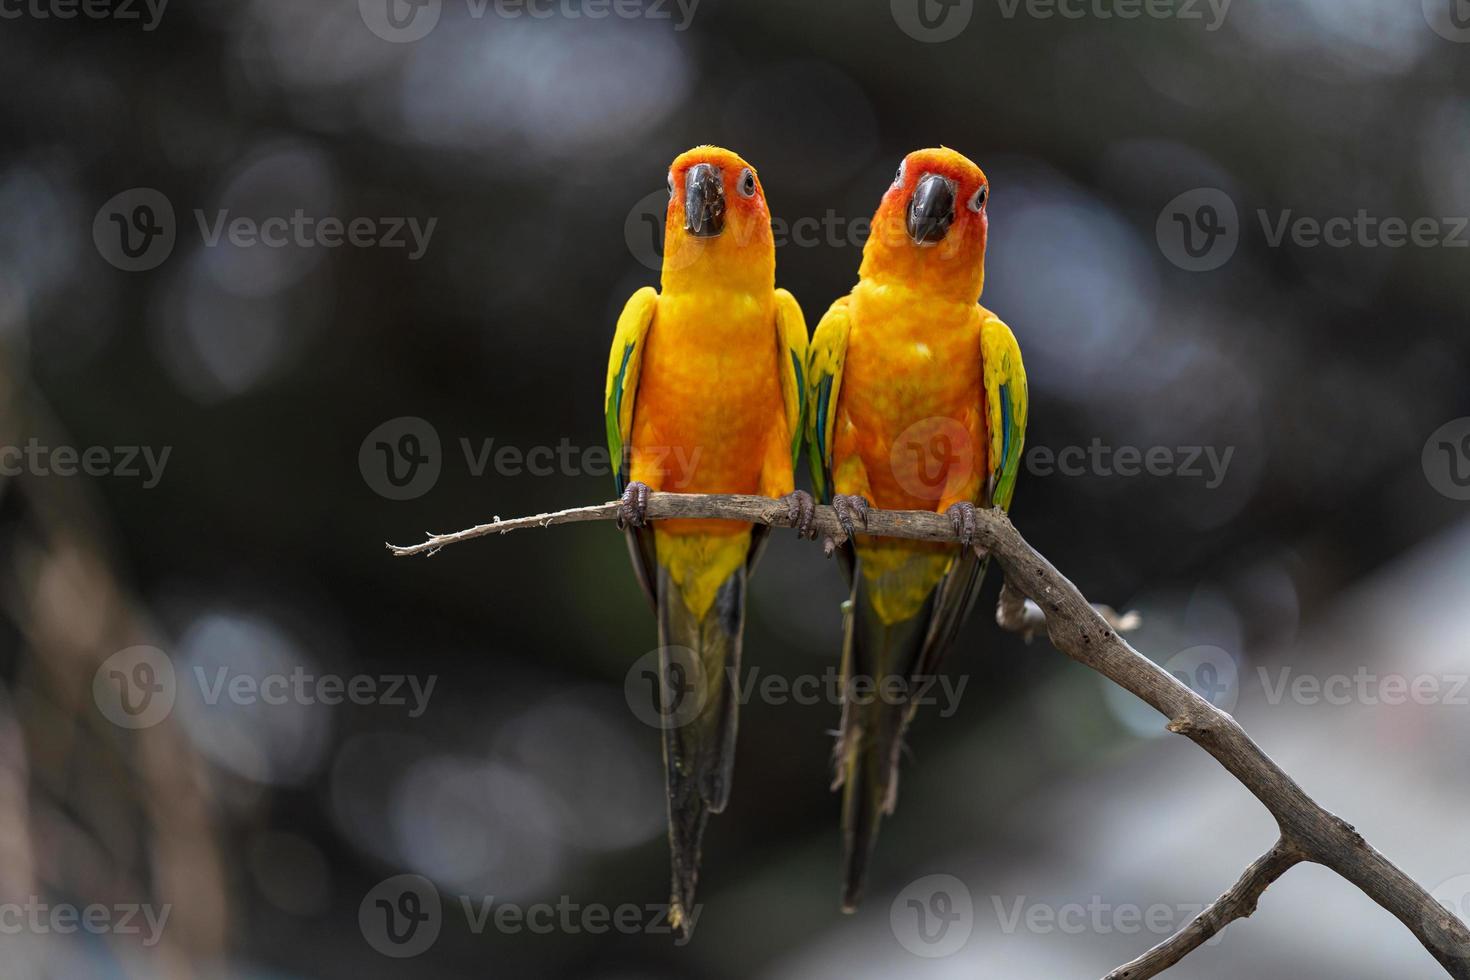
(192, 421)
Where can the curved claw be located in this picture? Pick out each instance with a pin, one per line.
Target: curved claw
(848, 505)
(962, 519)
(803, 510)
(633, 506)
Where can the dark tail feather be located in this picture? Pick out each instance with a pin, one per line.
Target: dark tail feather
(699, 657)
(871, 738)
(953, 602)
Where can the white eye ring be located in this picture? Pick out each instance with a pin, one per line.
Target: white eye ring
(977, 200)
(671, 183)
(746, 186)
(898, 177)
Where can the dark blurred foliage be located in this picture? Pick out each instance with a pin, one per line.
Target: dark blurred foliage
(533, 143)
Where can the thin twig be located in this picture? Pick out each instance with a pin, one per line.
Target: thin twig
(1082, 633)
(1237, 903)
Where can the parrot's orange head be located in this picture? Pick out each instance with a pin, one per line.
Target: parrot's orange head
(718, 227)
(929, 230)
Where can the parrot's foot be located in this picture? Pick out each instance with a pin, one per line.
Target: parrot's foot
(847, 506)
(633, 508)
(962, 519)
(803, 512)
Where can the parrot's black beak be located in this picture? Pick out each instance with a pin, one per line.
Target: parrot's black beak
(931, 209)
(704, 201)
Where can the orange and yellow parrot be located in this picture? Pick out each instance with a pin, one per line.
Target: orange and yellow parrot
(705, 395)
(917, 401)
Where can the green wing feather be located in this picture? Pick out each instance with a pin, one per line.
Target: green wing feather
(824, 384)
(1006, 401)
(624, 362)
(791, 345)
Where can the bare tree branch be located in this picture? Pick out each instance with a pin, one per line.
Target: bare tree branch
(1018, 614)
(1237, 903)
(1078, 630)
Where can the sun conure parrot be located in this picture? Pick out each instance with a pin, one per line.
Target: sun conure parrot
(917, 401)
(705, 395)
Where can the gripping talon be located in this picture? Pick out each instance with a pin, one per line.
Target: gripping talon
(848, 505)
(633, 506)
(803, 511)
(962, 518)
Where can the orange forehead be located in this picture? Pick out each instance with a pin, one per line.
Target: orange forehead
(942, 160)
(716, 155)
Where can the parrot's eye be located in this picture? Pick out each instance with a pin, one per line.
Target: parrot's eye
(671, 183)
(898, 177)
(977, 200)
(746, 186)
